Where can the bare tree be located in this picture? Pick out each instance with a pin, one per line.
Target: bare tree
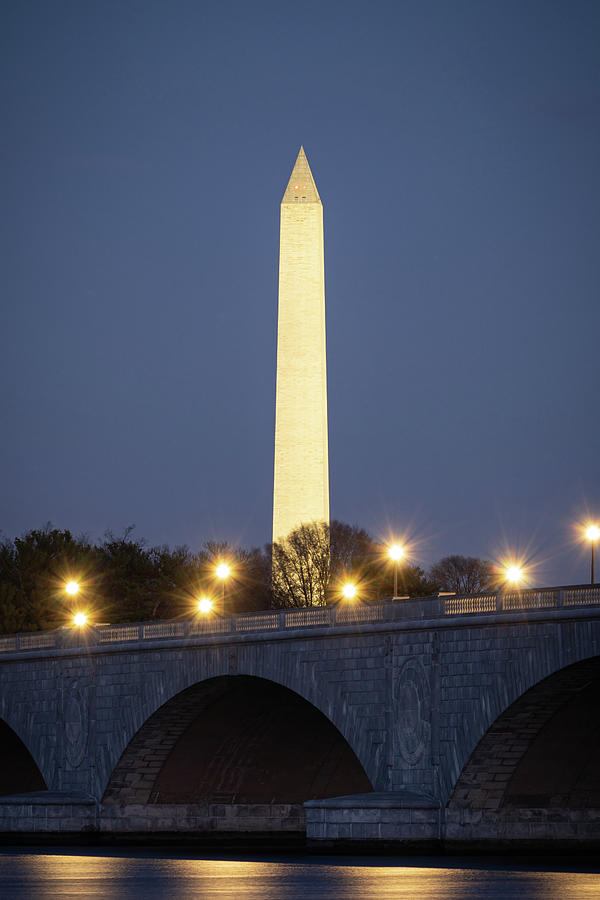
(301, 564)
(462, 574)
(311, 564)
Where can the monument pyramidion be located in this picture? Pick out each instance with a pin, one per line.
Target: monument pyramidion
(301, 476)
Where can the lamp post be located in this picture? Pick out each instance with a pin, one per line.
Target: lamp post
(396, 553)
(72, 588)
(223, 572)
(592, 534)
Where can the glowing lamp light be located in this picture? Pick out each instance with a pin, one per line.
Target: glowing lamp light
(80, 619)
(514, 574)
(204, 605)
(72, 588)
(396, 553)
(349, 591)
(223, 571)
(592, 533)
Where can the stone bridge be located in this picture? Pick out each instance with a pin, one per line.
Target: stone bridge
(445, 720)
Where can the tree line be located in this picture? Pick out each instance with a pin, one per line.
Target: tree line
(122, 579)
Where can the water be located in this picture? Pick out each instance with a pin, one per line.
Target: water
(37, 874)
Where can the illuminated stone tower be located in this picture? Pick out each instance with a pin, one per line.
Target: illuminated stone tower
(301, 482)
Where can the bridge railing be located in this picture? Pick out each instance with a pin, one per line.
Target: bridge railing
(439, 605)
(537, 598)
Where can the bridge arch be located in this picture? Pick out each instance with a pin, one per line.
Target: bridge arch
(236, 739)
(541, 752)
(19, 772)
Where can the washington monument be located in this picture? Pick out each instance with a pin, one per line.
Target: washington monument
(301, 482)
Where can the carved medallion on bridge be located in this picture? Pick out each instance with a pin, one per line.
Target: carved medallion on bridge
(412, 711)
(76, 723)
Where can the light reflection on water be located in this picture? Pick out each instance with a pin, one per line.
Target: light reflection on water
(41, 875)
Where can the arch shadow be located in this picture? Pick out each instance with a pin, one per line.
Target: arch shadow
(19, 773)
(542, 750)
(236, 739)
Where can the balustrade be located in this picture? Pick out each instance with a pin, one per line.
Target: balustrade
(393, 611)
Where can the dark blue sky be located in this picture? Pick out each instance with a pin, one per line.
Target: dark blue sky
(456, 149)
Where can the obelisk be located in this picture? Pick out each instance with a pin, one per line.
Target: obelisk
(301, 479)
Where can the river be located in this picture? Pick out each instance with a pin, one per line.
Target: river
(56, 873)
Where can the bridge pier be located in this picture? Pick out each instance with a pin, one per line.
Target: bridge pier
(408, 823)
(377, 822)
(396, 820)
(72, 816)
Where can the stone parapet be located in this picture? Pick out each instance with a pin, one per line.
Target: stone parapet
(436, 612)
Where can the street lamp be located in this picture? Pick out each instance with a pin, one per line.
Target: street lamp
(592, 534)
(80, 619)
(223, 572)
(514, 575)
(396, 553)
(205, 605)
(349, 591)
(72, 588)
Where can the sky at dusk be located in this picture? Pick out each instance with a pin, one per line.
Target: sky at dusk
(456, 149)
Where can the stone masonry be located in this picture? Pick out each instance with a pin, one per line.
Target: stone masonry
(426, 694)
